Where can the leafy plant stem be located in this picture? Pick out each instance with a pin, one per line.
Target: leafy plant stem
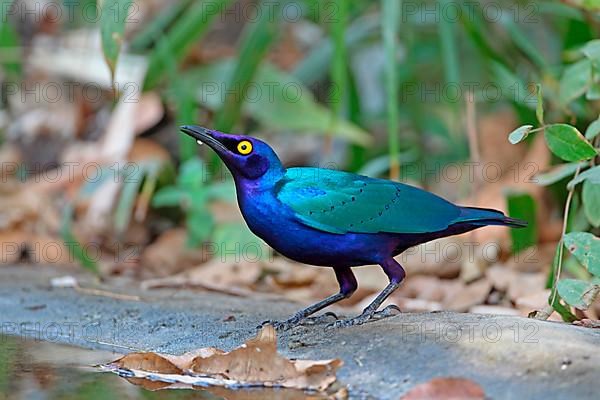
(558, 268)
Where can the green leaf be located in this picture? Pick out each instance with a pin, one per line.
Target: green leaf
(579, 294)
(522, 206)
(280, 101)
(75, 248)
(593, 93)
(592, 175)
(188, 29)
(192, 174)
(586, 248)
(199, 224)
(593, 130)
(235, 239)
(313, 68)
(257, 38)
(558, 173)
(221, 191)
(523, 42)
(112, 30)
(575, 81)
(592, 49)
(168, 196)
(9, 43)
(156, 26)
(568, 143)
(591, 202)
(129, 192)
(519, 134)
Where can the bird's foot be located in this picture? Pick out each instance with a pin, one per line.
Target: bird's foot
(366, 316)
(320, 319)
(297, 319)
(389, 311)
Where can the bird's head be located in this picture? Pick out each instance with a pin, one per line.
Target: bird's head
(245, 156)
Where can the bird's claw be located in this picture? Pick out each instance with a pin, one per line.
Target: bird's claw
(389, 311)
(298, 320)
(319, 319)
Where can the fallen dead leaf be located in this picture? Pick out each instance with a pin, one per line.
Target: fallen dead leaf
(446, 389)
(494, 310)
(12, 244)
(473, 294)
(254, 364)
(524, 284)
(169, 255)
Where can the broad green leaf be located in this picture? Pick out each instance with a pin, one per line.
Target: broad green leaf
(236, 241)
(522, 206)
(168, 196)
(193, 173)
(188, 30)
(592, 49)
(591, 202)
(519, 134)
(592, 175)
(579, 294)
(586, 248)
(276, 100)
(592, 130)
(568, 143)
(593, 93)
(199, 224)
(558, 173)
(114, 13)
(221, 191)
(575, 81)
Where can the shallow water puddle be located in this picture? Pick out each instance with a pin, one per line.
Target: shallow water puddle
(41, 370)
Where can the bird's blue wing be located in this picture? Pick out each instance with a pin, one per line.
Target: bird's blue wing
(341, 202)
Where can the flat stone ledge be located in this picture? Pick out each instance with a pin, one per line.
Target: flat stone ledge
(510, 357)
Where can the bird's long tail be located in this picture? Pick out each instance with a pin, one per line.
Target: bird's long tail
(486, 216)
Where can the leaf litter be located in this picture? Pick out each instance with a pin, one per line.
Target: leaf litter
(254, 364)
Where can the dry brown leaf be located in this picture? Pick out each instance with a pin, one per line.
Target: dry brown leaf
(523, 284)
(446, 389)
(494, 310)
(255, 363)
(147, 150)
(12, 244)
(169, 255)
(150, 111)
(473, 294)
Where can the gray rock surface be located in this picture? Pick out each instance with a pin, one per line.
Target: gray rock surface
(511, 358)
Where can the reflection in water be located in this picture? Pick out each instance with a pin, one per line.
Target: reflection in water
(40, 370)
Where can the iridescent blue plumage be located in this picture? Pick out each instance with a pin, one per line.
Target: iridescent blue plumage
(335, 218)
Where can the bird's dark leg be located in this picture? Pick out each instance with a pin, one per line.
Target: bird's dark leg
(396, 274)
(348, 285)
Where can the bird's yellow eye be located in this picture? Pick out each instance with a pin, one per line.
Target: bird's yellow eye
(244, 147)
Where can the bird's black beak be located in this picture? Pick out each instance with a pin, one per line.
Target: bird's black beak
(204, 135)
